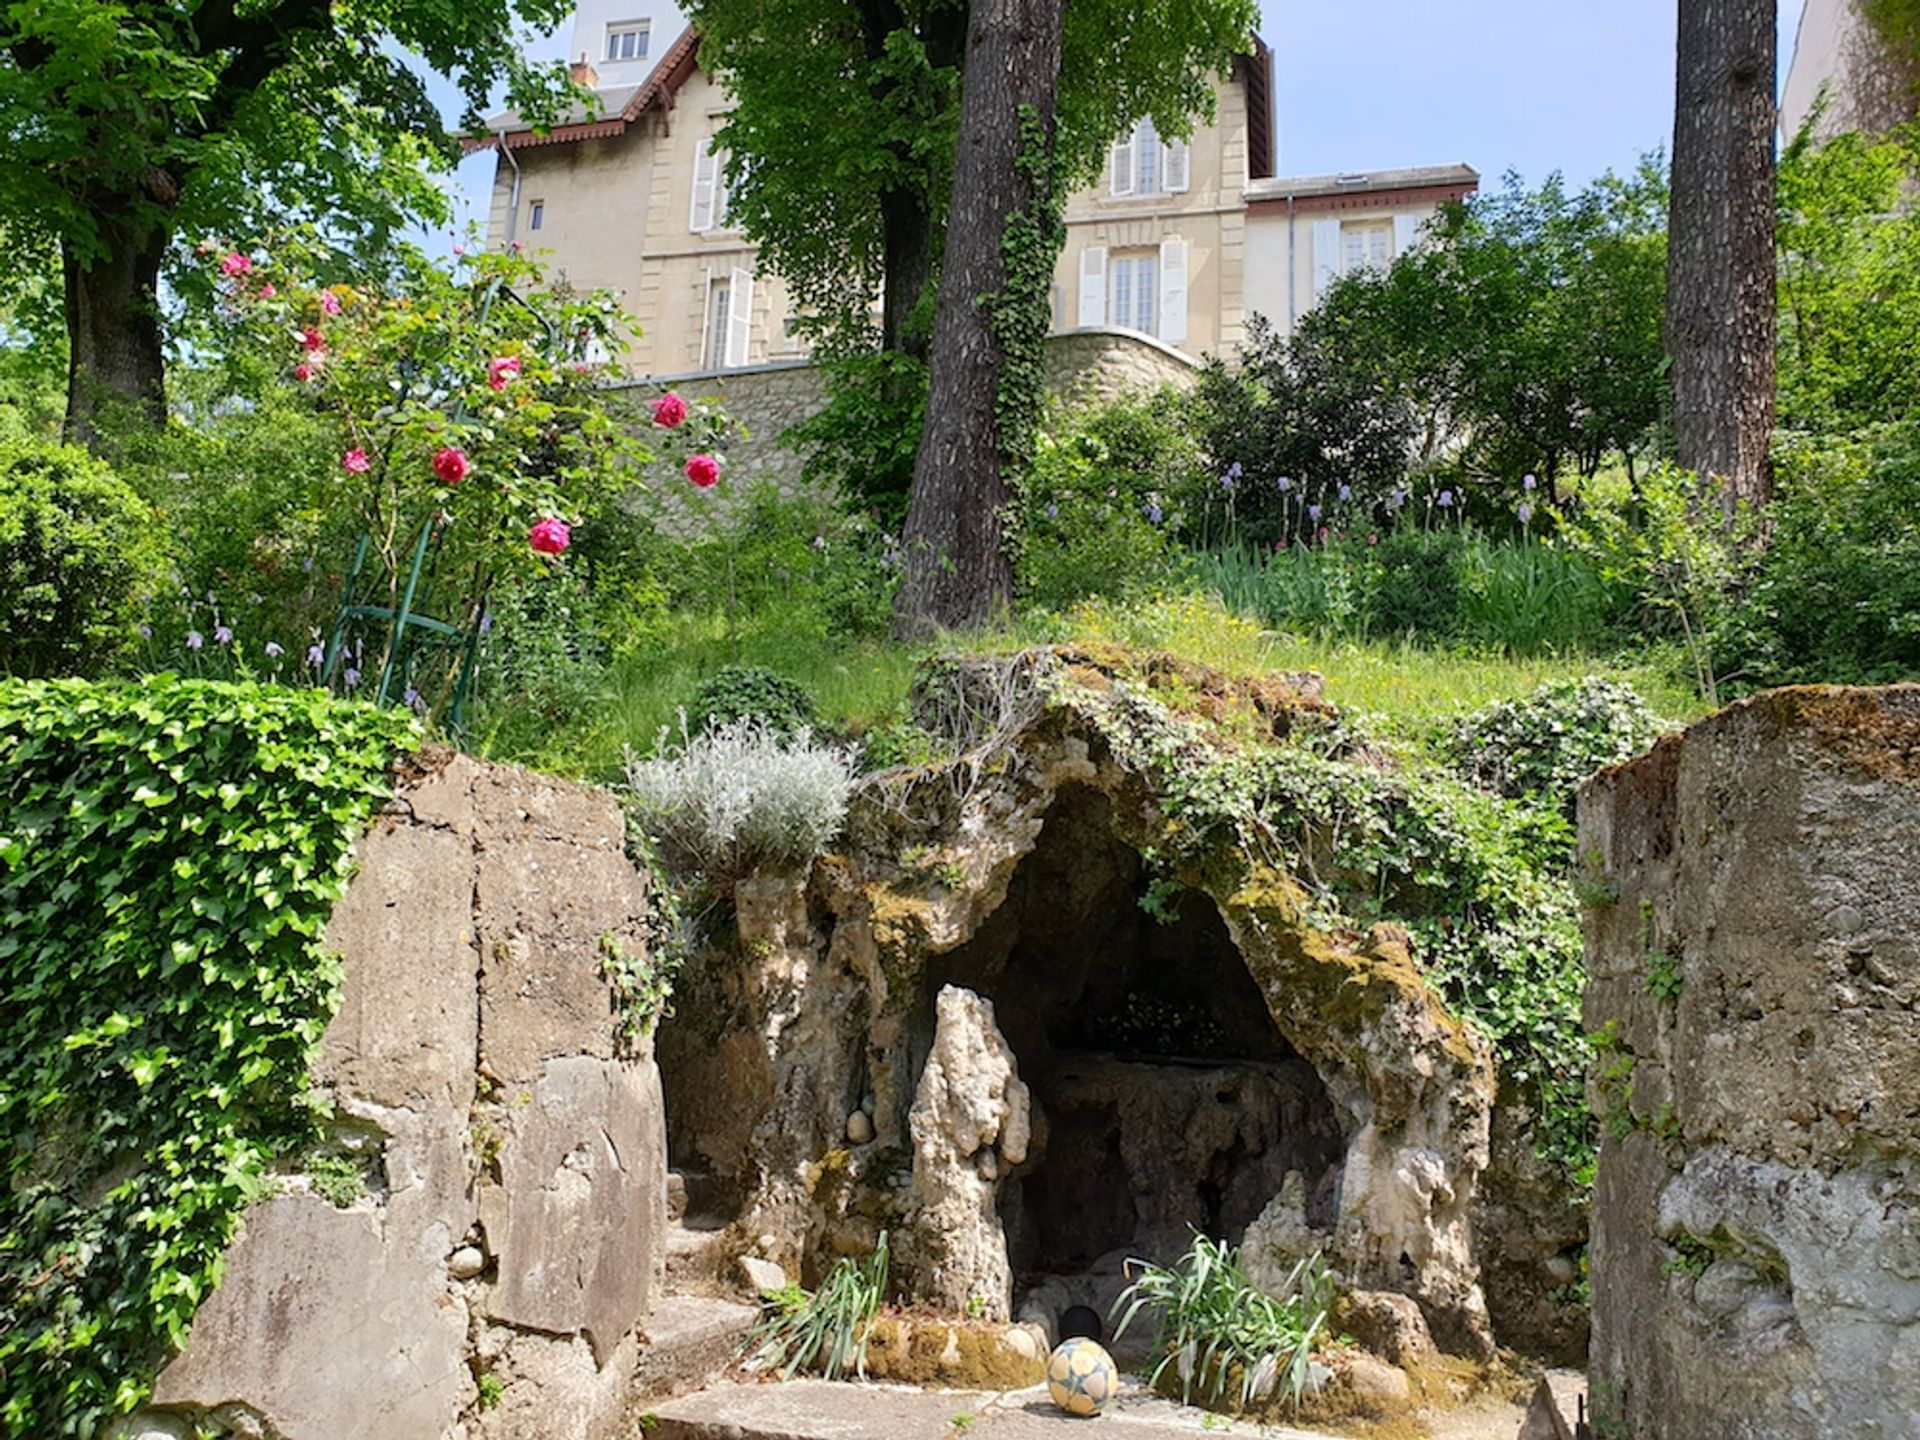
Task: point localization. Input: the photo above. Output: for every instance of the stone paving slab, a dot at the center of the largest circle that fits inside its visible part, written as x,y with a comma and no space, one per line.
824,1410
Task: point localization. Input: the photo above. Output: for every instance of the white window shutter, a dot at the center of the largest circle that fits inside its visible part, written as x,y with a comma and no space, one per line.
1174,164
1121,161
1093,285
722,196
1406,233
739,318
1173,291
1326,255
705,174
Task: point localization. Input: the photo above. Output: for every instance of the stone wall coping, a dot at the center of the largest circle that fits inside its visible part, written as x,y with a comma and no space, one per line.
775,367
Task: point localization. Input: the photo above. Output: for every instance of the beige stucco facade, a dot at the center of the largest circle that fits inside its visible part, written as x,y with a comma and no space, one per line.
1178,240
1837,51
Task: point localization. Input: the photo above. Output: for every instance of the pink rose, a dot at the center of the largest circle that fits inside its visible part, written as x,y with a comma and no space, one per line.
267,292
312,340
236,265
703,471
502,369
450,464
303,373
550,536
669,410
355,461
329,303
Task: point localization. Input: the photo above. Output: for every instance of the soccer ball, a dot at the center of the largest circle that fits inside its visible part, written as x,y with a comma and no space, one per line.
1081,1377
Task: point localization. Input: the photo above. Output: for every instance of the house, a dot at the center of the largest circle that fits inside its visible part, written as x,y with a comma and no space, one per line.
1837,52
1180,240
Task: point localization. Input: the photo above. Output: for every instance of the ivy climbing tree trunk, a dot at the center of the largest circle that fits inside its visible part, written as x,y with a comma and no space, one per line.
1004,231
1720,266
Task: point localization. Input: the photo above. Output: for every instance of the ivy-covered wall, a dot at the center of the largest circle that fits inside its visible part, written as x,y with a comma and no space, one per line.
169,854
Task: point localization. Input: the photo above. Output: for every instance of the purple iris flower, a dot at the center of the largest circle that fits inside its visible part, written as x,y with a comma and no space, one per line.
1283,484
194,640
1525,512
1446,500
1313,512
274,650
352,677
1153,514
1527,482
223,635
316,655
1346,491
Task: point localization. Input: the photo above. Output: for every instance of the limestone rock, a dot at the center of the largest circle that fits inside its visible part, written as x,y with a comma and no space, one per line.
1389,1325
328,1327
970,1099
859,1127
1544,1420
1757,1205
466,1262
761,1276
575,1220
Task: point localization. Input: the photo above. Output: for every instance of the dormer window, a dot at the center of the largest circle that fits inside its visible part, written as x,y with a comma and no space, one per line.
627,39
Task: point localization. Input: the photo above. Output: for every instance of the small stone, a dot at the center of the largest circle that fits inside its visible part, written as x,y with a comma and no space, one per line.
987,1164
766,1245
466,1262
761,1276
1377,1381
859,1127
1560,1269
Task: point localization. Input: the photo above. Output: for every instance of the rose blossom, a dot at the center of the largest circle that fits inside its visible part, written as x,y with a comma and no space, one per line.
355,461
550,536
303,373
502,369
669,410
329,303
236,265
312,340
703,471
450,464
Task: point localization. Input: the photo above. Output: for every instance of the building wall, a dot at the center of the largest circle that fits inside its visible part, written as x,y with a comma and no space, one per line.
1286,265
1209,216
1867,88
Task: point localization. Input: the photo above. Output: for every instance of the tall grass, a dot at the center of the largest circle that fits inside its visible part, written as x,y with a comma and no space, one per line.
1219,1332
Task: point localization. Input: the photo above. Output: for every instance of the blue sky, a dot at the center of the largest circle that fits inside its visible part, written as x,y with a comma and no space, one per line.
1527,85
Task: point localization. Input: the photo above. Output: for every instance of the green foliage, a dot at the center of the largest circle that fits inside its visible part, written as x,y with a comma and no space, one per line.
751,692
1085,517
338,1179
863,440
1543,745
79,551
490,1391
1836,595
1849,281
1447,586
827,1328
131,120
1229,1342
169,854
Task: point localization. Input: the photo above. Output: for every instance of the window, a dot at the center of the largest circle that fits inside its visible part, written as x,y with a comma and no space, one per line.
1134,286
1142,164
536,214
709,189
719,305
1365,245
627,39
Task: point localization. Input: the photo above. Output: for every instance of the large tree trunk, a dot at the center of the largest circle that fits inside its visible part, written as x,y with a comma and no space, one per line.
115,363
907,245
957,570
1720,265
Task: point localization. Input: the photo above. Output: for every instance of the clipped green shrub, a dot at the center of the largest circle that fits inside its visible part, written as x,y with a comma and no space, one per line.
751,692
1544,744
169,853
78,551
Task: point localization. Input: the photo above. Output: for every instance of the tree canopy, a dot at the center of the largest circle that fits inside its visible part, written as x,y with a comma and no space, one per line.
129,122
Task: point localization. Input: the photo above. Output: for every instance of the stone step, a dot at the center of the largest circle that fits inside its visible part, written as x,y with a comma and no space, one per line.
825,1410
698,1192
691,1339
698,1250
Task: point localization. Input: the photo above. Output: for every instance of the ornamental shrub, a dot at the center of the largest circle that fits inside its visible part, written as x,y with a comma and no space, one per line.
169,853
78,551
751,692
723,800
1543,745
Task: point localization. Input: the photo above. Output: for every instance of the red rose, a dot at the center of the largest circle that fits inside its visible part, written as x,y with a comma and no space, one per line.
669,410
703,471
450,464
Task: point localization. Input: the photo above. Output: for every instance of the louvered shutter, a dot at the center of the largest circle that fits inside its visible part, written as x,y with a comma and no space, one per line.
705,175
1173,291
1406,233
739,318
722,194
1326,255
1174,164
1093,285
1120,160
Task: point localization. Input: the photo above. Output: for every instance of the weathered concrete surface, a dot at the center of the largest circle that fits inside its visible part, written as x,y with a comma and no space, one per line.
515,1157
819,1410
1756,1233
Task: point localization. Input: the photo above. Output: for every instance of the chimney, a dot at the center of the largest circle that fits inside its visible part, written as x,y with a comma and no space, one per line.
583,73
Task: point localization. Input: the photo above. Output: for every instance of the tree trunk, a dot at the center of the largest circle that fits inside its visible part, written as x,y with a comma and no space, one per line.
986,342
115,364
1720,259
907,245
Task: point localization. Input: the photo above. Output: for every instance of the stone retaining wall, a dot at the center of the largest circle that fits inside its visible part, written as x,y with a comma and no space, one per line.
768,400
1754,955
492,1280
